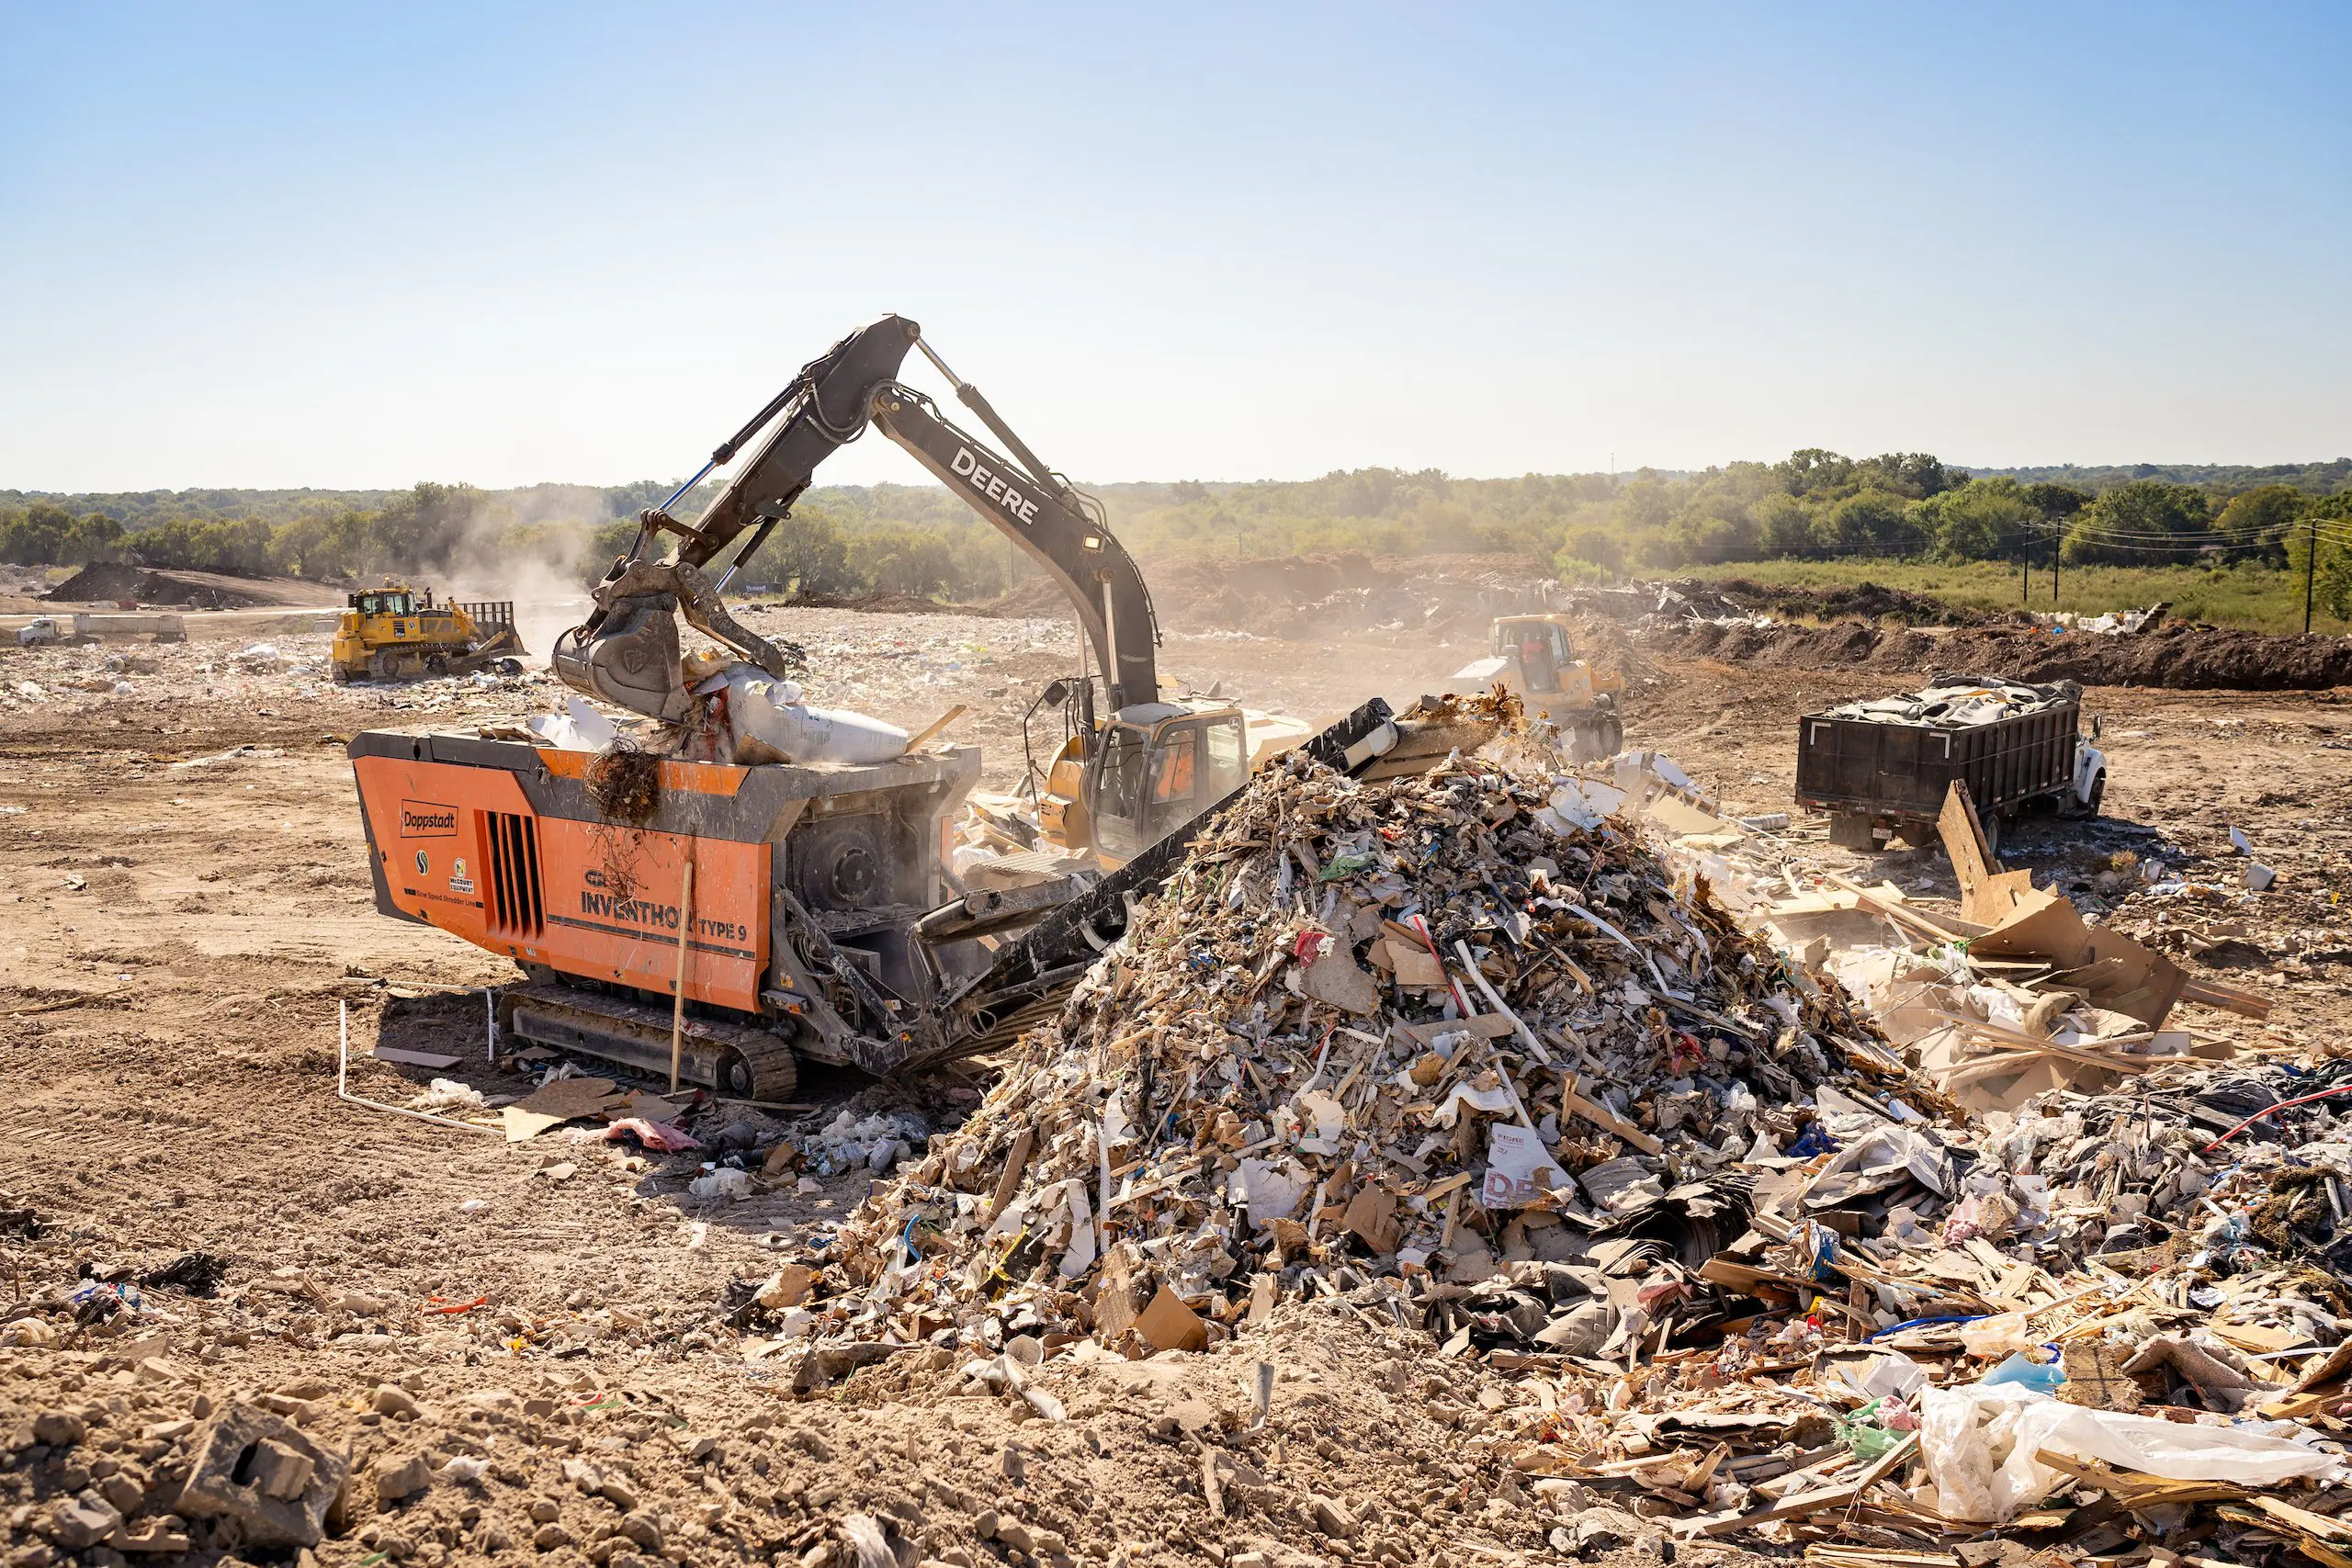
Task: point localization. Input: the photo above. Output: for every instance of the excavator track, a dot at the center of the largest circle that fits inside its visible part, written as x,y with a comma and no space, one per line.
730,1059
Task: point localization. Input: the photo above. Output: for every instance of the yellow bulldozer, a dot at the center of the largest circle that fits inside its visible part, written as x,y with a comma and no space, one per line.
395,633
1532,655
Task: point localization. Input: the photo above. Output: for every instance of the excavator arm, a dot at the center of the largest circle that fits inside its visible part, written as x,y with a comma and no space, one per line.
626,650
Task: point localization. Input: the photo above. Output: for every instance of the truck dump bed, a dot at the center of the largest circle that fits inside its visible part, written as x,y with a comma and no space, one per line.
1897,758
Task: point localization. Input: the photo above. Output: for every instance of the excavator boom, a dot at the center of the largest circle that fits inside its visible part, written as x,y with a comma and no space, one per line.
628,645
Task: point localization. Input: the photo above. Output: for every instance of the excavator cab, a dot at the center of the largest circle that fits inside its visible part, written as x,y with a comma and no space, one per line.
1160,766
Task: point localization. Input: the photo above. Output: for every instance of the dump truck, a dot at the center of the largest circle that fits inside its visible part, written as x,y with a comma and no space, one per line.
1531,656
397,633
744,900
83,627
1882,767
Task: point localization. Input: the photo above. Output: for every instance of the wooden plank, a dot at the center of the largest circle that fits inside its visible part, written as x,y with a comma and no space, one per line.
2132,1489
1805,1504
1607,1120
1014,1164
1964,843
433,1059
2228,999
936,726
1901,915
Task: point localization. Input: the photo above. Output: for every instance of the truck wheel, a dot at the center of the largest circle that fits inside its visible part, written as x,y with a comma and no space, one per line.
1612,736
1851,830
2088,807
1991,822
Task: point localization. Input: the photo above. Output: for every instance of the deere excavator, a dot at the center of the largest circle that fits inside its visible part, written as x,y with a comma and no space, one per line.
733,905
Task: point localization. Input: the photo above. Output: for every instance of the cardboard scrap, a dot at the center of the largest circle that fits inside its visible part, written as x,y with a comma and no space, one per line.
1987,895
1169,1325
568,1099
1372,1217
523,1125
1335,978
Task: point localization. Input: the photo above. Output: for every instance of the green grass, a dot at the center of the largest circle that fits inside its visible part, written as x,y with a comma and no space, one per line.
2256,597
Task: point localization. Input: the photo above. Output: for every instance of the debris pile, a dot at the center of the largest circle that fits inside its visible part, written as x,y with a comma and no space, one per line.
1959,702
62,682
1397,1031
1460,1054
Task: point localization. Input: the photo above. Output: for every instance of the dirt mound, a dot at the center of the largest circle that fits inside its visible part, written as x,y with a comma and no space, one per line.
1858,601
100,581
2179,655
109,581
1317,596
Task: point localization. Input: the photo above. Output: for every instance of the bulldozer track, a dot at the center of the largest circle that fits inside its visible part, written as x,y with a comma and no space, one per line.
729,1058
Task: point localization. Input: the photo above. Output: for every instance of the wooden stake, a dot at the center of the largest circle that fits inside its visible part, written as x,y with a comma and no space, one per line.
937,725
678,1002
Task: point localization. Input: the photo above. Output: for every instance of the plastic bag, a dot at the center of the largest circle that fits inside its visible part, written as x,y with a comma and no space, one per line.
2026,1372
1865,1434
724,1182
1999,1336
1958,1453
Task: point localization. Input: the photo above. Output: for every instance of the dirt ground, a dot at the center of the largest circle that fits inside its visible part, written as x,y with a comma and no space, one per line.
185,916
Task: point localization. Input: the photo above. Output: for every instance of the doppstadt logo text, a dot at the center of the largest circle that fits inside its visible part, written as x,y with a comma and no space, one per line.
427,819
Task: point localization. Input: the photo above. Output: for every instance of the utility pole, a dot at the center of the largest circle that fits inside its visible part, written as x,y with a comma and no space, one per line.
2025,584
2055,545
2311,566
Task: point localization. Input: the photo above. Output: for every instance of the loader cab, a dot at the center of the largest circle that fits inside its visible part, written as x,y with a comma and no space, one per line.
1538,645
388,603
1159,766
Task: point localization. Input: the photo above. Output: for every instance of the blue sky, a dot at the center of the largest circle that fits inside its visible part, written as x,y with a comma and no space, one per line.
272,244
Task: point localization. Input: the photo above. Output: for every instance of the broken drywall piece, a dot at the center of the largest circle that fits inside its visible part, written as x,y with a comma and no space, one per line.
578,728
1268,1191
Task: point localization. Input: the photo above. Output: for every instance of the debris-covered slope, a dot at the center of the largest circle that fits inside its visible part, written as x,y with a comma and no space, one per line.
1409,1028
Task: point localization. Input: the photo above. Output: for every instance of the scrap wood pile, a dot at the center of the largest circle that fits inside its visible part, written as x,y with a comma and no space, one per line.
1449,1054
2016,995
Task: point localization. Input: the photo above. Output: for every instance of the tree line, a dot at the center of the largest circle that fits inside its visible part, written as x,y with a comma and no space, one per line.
918,540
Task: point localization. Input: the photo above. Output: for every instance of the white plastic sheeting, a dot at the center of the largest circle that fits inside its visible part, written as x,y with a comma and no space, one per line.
1980,1443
